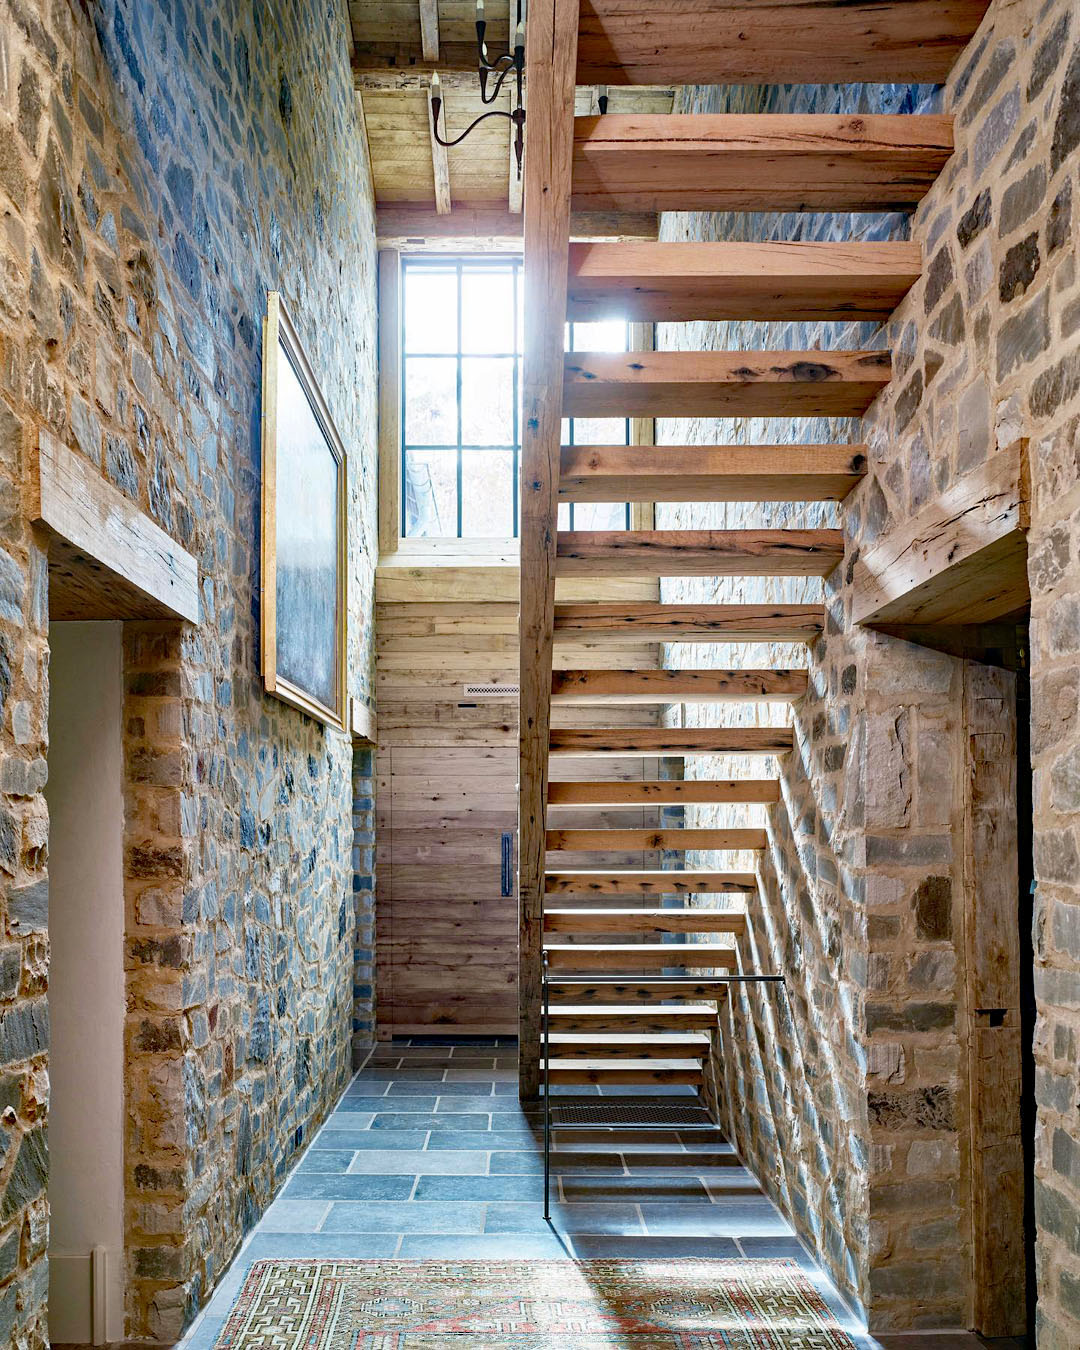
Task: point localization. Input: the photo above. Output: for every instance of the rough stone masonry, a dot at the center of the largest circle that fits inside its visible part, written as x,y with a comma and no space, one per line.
849,1094
162,166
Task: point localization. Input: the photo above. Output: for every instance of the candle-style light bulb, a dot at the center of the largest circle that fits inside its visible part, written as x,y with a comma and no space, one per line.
519,35
479,11
436,85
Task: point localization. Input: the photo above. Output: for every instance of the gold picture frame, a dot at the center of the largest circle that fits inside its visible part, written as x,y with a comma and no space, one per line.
303,553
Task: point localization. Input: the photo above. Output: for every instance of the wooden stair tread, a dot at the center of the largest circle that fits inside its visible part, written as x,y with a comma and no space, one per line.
666,553
725,473
687,1012
606,956
579,1047
723,383
670,740
630,1064
676,686
649,994
661,790
682,282
631,42
645,920
676,838
629,881
636,621
627,1071
757,161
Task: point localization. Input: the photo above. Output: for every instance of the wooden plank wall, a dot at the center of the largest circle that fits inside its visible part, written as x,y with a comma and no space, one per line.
446,939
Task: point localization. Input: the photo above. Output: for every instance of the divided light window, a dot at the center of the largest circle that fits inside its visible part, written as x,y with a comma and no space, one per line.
461,401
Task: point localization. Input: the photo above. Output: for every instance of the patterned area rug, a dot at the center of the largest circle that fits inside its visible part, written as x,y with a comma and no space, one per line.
511,1305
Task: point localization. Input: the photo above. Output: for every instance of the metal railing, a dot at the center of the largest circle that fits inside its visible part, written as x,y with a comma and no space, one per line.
545,1049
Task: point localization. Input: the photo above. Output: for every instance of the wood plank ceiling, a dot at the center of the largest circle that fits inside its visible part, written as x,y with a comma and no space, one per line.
397,46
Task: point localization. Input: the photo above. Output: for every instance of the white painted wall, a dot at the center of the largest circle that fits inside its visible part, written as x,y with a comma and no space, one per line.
86,978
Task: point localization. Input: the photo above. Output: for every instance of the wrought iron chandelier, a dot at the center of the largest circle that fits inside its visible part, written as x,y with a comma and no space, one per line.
498,71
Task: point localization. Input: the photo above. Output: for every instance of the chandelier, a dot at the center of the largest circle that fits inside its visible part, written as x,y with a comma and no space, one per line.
493,75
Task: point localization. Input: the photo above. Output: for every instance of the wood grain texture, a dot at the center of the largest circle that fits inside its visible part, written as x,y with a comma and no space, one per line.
429,29
665,553
683,282
680,838
671,791
474,223
992,966
640,620
773,41
671,741
643,1071
569,1045
962,559
709,473
677,686
645,921
440,165
757,162
551,59
723,383
582,992
601,1018
639,956
628,882
107,558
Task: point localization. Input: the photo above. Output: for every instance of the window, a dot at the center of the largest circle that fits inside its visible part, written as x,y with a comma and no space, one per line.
460,415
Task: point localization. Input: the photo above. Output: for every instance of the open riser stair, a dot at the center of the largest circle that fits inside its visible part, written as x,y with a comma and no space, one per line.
639,960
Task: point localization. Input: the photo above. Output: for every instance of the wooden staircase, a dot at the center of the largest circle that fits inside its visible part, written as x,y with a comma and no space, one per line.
634,984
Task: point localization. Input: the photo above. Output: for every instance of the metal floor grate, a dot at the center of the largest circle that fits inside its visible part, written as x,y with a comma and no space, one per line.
679,1117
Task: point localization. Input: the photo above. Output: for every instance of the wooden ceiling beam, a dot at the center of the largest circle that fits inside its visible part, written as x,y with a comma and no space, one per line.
401,225
429,30
647,621
773,41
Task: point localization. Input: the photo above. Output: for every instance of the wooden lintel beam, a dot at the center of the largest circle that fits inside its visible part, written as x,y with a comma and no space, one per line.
962,559
107,558
647,621
440,165
586,687
661,791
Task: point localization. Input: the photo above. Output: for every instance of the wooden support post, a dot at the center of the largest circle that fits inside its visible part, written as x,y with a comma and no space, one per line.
517,184
429,29
440,166
390,485
551,60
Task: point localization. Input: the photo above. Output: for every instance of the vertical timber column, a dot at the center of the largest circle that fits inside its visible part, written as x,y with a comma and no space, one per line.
551,64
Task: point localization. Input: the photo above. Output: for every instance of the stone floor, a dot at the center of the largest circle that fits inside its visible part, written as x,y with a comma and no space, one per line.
429,1154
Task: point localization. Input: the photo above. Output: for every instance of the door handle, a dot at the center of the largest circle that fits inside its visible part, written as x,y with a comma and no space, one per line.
508,862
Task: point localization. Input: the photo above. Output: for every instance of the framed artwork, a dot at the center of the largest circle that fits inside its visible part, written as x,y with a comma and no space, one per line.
304,531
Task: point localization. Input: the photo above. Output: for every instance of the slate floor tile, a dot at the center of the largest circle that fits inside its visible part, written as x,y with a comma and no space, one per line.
494,1246
510,1217
477,1188
420,1162
331,1186
728,1220
408,1120
648,1189
325,1160
380,1140
372,1217
294,1216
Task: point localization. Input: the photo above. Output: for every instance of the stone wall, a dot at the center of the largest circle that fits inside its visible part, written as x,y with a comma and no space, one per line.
162,166
363,894
849,1095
